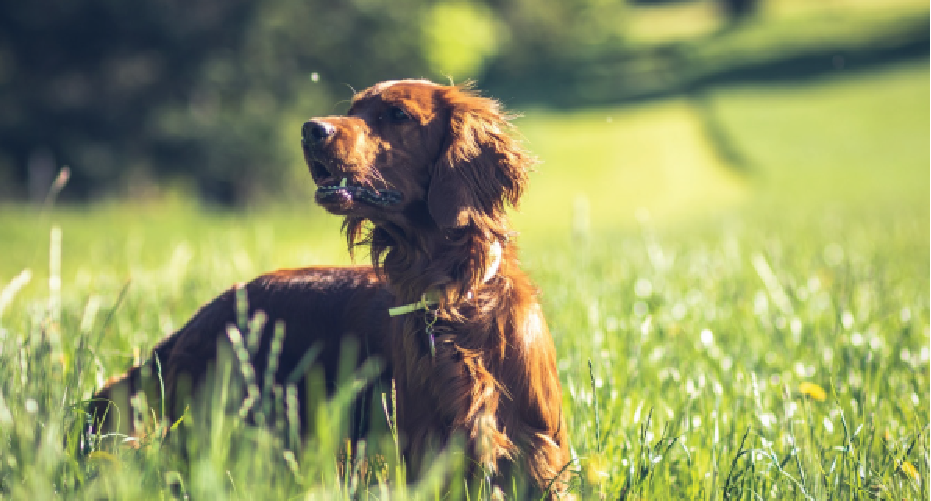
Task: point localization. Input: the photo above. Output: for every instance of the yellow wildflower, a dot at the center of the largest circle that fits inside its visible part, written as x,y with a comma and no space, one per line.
813,391
909,470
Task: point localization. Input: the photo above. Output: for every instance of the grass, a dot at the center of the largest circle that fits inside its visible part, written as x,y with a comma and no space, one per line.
779,25
722,334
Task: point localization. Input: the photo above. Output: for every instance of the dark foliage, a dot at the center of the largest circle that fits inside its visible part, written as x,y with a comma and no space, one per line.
127,93
82,82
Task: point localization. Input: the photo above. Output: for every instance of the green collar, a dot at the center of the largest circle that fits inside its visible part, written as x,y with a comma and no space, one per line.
426,301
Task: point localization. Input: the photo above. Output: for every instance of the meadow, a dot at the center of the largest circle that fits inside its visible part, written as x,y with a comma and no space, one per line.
723,332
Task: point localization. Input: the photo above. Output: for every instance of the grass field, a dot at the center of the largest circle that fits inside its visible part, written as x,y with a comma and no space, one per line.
751,334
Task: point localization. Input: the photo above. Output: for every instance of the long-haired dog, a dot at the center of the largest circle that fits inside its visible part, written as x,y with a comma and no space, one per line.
422,175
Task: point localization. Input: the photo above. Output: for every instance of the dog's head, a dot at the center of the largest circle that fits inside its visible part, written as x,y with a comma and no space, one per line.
413,152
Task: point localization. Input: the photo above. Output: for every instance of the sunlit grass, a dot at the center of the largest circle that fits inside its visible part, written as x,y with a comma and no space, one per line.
616,162
678,21
828,145
838,145
718,349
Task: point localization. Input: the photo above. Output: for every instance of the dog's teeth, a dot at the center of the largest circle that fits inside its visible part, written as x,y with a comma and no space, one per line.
343,183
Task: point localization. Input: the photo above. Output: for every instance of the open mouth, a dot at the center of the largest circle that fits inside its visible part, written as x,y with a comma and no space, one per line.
335,189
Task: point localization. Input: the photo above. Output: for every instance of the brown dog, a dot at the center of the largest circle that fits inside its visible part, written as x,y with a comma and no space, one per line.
422,174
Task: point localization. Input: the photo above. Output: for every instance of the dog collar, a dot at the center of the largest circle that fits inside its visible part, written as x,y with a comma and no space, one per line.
429,299
426,301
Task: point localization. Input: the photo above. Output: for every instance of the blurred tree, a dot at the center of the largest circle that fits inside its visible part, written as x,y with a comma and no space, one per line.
129,92
542,32
739,10
298,58
546,42
478,36
79,82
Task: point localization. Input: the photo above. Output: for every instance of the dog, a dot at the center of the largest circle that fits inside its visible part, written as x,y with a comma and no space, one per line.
422,175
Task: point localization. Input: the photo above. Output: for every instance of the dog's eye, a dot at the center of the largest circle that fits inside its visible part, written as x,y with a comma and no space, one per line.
396,114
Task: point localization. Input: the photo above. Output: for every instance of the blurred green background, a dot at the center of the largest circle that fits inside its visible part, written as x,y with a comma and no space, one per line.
158,99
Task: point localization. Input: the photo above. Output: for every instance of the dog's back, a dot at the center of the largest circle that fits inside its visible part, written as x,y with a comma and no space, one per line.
328,314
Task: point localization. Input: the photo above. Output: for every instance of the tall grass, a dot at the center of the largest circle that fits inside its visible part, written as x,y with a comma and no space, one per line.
739,361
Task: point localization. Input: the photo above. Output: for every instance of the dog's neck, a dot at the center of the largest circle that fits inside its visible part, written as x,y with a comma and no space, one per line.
431,298
449,265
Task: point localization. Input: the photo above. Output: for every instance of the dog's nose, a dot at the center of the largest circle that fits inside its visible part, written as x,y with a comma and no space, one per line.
315,132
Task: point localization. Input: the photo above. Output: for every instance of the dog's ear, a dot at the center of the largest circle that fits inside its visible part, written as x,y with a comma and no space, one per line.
482,167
